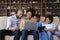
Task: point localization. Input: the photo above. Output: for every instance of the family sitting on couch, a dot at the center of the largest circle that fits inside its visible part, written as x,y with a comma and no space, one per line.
15,26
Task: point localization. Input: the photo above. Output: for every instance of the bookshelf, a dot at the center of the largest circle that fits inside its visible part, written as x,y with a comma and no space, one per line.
42,7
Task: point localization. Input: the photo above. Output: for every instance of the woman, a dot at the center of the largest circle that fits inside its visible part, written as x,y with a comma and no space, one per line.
30,14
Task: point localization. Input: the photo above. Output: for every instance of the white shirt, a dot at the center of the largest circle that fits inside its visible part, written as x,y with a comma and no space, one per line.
49,26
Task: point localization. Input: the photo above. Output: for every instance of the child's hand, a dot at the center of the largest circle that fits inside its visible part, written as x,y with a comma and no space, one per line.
44,29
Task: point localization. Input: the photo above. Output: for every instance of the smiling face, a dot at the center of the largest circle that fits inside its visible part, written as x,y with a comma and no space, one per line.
29,15
48,20
20,13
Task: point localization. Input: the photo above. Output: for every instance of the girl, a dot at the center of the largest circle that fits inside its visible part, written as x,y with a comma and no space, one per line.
49,27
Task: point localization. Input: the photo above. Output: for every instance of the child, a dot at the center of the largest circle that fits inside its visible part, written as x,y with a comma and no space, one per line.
49,27
36,18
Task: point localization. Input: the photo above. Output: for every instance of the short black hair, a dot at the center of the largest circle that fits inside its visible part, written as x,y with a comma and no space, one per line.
50,17
31,10
37,15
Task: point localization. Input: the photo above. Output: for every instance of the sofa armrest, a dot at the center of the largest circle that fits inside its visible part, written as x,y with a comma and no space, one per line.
59,28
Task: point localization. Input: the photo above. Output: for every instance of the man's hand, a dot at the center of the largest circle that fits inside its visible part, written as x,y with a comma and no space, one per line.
13,28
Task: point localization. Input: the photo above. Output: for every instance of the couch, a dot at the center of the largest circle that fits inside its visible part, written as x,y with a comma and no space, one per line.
3,23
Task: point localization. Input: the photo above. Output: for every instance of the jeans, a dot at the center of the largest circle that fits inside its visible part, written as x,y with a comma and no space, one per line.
10,33
25,33
43,36
50,35
57,33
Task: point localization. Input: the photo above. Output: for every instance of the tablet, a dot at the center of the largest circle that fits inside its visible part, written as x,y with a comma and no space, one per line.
41,28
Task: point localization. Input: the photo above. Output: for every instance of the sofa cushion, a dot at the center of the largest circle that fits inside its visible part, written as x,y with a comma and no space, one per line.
56,20
3,22
55,37
7,37
30,37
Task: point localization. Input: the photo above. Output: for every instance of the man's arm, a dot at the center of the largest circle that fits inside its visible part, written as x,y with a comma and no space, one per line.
9,24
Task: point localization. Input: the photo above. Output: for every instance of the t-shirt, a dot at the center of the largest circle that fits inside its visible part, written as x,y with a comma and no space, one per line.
49,26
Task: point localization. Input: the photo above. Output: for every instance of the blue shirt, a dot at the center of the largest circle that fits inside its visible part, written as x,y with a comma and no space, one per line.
13,21
39,24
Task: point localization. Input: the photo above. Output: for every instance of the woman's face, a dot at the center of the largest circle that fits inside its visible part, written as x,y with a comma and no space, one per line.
47,20
29,15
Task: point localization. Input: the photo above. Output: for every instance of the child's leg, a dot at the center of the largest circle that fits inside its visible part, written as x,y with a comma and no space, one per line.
44,36
50,35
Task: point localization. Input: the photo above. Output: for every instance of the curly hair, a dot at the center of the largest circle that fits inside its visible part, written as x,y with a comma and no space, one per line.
31,10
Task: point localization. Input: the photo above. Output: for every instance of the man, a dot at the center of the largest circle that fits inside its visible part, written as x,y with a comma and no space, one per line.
13,26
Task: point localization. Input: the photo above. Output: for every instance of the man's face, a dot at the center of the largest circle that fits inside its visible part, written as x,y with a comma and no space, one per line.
20,13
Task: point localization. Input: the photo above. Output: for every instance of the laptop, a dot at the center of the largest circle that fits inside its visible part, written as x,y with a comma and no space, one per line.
29,25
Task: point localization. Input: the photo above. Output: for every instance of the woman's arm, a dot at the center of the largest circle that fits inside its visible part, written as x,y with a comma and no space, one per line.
22,24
